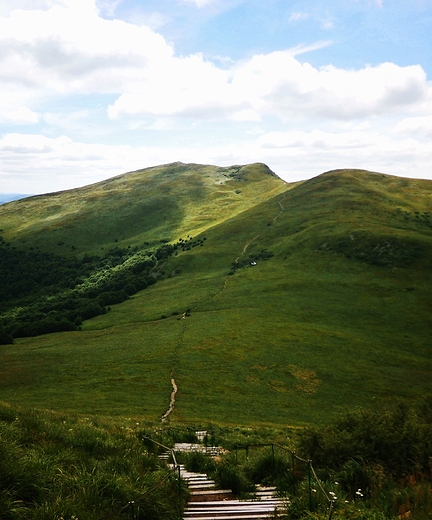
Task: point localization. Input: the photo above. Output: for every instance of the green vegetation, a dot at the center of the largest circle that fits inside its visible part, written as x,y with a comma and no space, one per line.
364,465
43,292
335,314
380,458
60,467
164,202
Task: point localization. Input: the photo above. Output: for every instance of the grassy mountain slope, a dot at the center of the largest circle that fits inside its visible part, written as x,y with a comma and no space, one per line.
164,202
336,313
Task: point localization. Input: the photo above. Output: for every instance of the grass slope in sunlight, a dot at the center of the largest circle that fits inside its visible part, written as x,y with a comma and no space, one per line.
335,314
163,202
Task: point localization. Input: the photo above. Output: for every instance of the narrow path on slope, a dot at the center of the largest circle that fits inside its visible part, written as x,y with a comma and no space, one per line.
179,342
174,364
246,246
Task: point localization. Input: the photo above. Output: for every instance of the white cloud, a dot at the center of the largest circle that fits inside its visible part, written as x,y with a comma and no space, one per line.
108,7
420,126
60,163
374,117
6,7
18,115
44,164
276,84
327,23
303,49
377,3
294,152
295,17
69,48
177,86
13,109
200,3
281,85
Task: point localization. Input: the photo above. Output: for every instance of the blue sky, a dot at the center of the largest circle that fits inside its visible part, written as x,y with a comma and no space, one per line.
91,89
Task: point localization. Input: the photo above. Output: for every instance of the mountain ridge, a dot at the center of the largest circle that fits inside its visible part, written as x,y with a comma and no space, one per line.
143,199
302,301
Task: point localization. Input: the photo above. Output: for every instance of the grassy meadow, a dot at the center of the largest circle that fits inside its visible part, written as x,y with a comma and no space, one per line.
337,316
160,203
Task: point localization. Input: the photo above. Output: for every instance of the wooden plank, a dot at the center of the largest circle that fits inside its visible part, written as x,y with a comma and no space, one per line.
228,510
234,502
255,516
236,507
212,492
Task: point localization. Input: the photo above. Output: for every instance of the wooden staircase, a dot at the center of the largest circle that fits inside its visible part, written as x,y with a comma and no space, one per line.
208,503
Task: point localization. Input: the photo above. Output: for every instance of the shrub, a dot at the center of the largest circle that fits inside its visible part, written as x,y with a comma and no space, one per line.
5,337
267,469
199,462
230,476
397,439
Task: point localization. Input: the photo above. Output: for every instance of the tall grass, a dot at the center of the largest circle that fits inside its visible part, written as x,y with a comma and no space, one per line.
304,335
372,464
54,467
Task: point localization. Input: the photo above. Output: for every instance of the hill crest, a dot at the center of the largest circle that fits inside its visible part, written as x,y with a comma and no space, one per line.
294,302
161,202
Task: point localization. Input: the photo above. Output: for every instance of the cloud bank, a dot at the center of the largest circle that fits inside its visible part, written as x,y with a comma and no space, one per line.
298,118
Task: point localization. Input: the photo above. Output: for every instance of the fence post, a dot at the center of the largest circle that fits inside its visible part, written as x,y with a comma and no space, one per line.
310,485
273,458
132,507
294,475
179,491
330,510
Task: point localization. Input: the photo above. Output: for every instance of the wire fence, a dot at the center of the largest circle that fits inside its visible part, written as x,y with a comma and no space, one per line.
133,506
314,484
304,473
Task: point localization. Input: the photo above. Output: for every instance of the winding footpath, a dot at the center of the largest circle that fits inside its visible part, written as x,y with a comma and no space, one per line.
179,342
172,401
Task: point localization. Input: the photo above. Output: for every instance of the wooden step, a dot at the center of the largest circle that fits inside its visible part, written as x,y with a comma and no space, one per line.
253,516
195,479
208,503
233,508
228,510
210,495
209,492
237,501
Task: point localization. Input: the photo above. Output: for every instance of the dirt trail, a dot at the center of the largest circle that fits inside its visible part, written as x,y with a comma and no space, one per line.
172,402
179,343
246,246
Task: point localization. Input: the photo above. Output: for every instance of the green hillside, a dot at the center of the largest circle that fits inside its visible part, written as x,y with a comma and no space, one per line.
302,301
164,202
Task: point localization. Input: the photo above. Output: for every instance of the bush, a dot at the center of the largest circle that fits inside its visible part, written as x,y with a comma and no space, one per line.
5,337
230,476
36,284
267,469
396,439
199,462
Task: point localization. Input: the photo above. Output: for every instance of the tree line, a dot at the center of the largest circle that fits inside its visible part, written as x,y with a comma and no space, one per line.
43,292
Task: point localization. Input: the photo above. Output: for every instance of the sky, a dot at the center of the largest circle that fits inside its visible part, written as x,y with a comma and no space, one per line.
90,89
